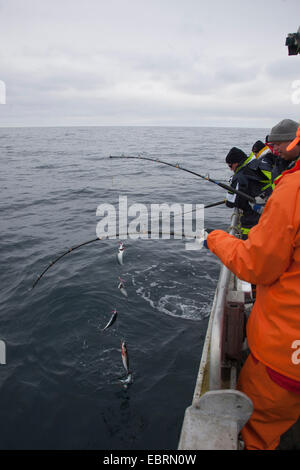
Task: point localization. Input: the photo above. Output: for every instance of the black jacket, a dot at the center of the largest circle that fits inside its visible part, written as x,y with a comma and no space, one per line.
268,159
252,179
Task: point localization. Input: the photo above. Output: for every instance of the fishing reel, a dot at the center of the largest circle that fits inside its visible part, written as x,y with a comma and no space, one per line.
293,43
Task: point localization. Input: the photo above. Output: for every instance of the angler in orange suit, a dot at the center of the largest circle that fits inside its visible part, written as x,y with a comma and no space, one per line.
270,258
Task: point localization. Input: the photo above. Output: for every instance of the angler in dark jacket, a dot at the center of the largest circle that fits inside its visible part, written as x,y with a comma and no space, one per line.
253,177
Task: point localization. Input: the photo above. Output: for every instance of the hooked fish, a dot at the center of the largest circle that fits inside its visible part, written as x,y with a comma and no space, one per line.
120,253
111,320
122,287
125,358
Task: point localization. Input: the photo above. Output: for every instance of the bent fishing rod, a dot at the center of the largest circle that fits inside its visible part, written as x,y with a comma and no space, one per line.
117,235
70,250
207,178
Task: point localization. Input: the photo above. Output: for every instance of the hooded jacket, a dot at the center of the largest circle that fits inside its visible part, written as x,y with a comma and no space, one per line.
270,258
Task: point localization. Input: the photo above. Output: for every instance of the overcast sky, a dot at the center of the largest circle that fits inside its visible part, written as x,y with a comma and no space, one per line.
148,62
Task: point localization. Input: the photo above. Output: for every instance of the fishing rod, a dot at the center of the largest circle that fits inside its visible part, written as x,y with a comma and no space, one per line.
213,204
60,257
117,235
207,178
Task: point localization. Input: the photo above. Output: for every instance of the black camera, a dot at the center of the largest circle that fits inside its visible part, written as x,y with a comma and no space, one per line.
293,43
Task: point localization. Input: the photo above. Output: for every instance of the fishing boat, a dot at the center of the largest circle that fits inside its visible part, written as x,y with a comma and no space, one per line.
218,411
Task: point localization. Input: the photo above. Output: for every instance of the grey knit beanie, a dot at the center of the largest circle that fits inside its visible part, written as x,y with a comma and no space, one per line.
284,131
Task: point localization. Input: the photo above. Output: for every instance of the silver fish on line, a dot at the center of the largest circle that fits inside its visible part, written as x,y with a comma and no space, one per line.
121,286
121,253
127,381
125,358
111,320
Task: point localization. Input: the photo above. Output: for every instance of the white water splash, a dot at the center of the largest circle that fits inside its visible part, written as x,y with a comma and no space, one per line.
177,306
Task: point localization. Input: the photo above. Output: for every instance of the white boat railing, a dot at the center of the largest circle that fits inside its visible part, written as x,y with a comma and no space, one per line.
215,360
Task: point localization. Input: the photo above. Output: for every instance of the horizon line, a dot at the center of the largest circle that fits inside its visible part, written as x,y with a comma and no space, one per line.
134,125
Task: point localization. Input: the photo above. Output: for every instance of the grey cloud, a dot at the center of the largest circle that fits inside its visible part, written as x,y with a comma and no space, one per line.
287,68
145,62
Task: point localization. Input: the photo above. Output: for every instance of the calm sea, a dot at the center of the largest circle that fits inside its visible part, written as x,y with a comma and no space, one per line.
60,387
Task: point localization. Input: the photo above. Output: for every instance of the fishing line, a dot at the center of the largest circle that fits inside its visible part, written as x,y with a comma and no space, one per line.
207,178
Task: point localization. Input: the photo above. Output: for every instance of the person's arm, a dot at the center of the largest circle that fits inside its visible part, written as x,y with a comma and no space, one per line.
267,252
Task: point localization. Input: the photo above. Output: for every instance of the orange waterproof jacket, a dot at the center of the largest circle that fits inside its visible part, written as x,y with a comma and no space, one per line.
270,258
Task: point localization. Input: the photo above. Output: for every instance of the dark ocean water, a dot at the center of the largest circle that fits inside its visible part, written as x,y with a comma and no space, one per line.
60,387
